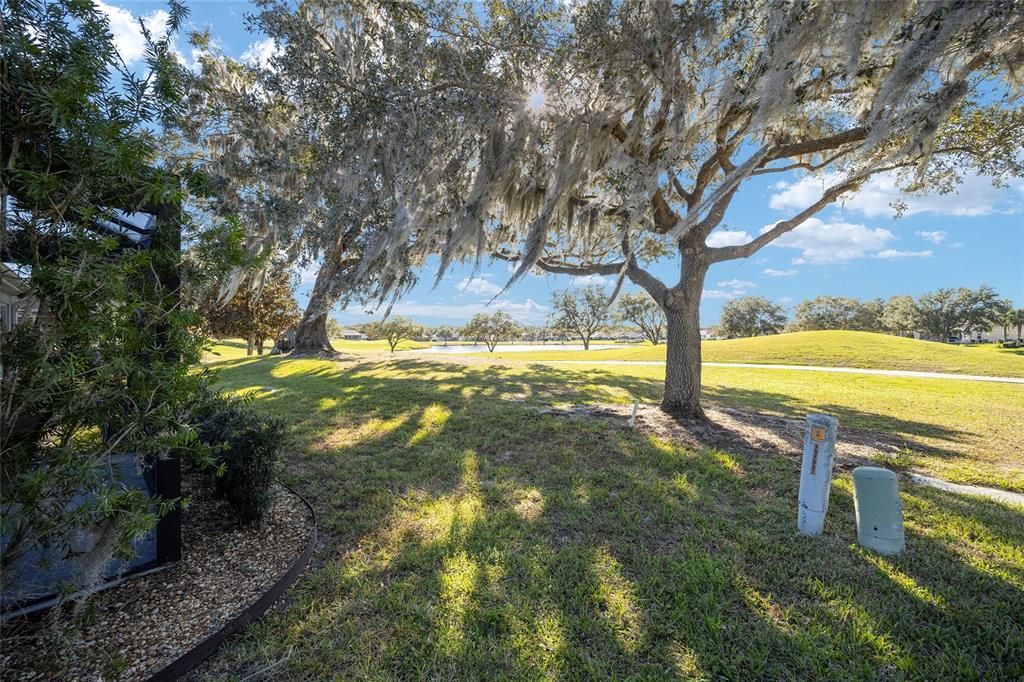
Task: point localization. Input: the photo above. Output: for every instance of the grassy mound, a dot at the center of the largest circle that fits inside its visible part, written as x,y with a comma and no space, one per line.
829,349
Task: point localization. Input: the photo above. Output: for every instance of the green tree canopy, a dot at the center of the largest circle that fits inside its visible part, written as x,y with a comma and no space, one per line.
837,312
394,330
256,314
492,329
751,316
901,316
643,312
580,312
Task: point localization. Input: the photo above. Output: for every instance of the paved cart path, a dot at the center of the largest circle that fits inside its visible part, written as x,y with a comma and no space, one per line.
992,493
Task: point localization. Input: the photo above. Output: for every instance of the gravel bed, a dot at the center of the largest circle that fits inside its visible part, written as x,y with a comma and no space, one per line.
133,630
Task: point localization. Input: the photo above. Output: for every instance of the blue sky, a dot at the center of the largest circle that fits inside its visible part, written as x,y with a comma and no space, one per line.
856,248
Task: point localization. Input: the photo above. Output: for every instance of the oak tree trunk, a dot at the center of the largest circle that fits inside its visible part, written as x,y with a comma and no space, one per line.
311,334
250,343
682,352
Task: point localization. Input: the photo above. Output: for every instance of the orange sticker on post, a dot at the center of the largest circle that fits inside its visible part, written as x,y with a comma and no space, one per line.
818,433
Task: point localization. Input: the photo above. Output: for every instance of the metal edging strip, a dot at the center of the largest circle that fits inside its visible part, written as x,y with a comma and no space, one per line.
199,653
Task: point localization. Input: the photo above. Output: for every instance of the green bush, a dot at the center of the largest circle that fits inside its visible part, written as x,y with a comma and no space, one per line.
245,462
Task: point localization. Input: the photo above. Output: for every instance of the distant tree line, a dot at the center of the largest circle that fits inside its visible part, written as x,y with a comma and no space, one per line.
586,313
941,315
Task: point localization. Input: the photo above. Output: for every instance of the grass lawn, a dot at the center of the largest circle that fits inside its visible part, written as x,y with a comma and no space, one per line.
232,349
466,536
827,348
966,432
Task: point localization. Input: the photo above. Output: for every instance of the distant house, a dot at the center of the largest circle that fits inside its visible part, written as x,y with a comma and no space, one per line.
352,335
993,334
709,334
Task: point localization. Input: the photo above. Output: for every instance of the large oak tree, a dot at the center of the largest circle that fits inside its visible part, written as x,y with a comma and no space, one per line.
599,137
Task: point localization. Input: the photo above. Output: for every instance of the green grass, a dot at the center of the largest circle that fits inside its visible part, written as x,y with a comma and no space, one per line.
466,536
829,349
232,349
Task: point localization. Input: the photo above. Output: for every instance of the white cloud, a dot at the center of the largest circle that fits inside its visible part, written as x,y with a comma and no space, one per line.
934,236
730,289
820,242
261,52
478,285
956,245
772,272
975,196
720,238
728,294
895,253
593,280
124,26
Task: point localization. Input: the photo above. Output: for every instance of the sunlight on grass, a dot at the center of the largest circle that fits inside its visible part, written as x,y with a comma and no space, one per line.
863,628
541,644
530,505
458,579
728,462
372,428
764,606
470,479
681,484
431,422
891,571
473,537
616,596
687,664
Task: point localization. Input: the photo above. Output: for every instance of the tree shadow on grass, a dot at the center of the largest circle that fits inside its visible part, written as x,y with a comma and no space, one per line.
502,543
888,427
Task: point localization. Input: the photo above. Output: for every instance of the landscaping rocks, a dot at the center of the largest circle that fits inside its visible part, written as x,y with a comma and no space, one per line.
131,631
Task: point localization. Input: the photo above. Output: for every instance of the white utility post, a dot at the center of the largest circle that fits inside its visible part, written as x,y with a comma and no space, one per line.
816,473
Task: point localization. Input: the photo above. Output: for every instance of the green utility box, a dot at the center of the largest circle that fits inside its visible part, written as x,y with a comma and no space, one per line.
876,498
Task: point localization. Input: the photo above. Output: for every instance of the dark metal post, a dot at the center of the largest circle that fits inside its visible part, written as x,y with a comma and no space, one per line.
166,249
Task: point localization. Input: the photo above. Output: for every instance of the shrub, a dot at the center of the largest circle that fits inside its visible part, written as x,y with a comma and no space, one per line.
246,459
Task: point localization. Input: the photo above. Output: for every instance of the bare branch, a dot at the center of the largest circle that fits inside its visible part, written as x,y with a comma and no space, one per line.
811,167
781,228
649,282
819,145
556,267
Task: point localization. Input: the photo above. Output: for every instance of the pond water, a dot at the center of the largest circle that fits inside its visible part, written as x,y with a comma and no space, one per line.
508,348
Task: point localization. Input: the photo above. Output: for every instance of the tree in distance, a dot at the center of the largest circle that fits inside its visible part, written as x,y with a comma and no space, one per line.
394,330
901,316
492,329
256,314
837,312
641,310
751,316
580,312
